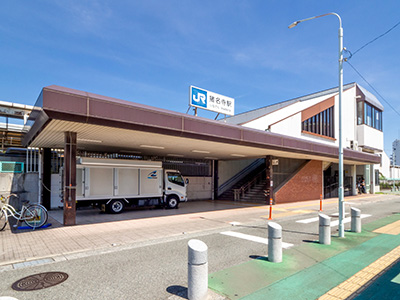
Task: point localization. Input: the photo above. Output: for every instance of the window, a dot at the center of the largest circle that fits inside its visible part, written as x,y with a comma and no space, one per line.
176,178
360,113
321,123
376,177
369,115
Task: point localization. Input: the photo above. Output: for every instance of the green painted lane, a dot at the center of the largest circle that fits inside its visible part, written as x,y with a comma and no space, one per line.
304,268
315,281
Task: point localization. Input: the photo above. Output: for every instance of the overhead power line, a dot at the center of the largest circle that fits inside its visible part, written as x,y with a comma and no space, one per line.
370,42
359,74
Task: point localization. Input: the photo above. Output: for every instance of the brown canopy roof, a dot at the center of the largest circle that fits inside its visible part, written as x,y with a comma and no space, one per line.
108,124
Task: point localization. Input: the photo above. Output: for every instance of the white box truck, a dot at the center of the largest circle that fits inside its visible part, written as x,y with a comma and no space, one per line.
113,184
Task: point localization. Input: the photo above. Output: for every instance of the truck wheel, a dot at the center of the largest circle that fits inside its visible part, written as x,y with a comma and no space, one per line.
172,202
116,206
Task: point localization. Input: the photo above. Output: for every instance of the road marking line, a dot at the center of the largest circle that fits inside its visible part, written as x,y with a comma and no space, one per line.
235,223
347,220
310,220
253,238
334,223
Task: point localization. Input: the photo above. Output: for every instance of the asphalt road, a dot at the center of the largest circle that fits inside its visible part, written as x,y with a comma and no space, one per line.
158,269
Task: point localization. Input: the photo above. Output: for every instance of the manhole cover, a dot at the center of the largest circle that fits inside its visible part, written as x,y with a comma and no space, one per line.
39,281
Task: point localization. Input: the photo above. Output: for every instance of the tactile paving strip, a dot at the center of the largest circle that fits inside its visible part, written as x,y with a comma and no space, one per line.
353,286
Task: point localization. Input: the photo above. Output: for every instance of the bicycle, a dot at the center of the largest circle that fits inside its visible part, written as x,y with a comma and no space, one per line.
34,215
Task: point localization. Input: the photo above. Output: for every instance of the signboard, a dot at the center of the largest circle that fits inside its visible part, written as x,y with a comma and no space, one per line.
211,101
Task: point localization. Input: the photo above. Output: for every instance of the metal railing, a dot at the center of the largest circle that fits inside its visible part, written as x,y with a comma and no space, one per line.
241,192
242,174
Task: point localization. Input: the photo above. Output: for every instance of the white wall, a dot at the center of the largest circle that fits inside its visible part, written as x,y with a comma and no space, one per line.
55,194
287,120
371,137
384,168
395,172
262,123
199,188
289,126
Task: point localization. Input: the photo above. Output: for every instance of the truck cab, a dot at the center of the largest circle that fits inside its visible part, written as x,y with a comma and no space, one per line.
174,188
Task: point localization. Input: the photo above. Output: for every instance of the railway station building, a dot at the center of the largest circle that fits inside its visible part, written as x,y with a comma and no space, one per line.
289,149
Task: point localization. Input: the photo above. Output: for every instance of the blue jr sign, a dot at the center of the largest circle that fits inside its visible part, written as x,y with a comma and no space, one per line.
211,101
199,97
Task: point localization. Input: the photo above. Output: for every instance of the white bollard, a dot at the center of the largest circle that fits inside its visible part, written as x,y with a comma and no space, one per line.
197,270
274,242
355,220
324,229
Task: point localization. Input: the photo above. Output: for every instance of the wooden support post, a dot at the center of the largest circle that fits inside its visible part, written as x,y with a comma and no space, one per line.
70,178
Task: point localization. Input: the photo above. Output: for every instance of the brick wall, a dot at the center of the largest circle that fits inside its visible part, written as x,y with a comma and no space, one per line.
307,184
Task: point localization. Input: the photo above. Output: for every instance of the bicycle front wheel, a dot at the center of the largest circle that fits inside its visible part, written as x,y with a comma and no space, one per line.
3,220
35,216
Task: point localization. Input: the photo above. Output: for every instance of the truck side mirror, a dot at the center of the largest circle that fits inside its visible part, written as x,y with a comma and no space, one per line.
187,181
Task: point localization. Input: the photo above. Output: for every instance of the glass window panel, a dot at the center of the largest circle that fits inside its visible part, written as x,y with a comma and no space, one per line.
328,117
313,124
365,112
372,116
360,112
377,120
369,115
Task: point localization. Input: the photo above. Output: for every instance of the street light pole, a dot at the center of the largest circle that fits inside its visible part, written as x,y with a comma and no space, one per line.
341,206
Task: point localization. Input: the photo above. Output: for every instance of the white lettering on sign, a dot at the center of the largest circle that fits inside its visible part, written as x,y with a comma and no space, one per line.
211,101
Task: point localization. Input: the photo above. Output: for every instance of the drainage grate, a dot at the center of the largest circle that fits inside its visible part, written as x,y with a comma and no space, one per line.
39,281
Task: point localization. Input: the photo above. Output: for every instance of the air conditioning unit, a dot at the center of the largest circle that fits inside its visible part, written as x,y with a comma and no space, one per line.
354,145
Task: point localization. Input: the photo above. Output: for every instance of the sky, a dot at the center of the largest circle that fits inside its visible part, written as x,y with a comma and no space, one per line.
151,51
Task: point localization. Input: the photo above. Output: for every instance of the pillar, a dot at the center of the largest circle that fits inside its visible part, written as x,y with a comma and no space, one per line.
372,179
269,177
215,180
70,178
46,178
367,178
354,178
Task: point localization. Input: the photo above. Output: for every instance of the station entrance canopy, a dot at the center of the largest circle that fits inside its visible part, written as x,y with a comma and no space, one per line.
111,125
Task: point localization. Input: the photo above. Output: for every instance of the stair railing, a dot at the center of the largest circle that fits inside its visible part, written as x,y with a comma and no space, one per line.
241,192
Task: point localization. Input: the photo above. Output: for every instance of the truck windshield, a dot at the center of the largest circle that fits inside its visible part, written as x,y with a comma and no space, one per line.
175,178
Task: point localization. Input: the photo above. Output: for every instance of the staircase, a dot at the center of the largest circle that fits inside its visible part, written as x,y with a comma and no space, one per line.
256,193
253,185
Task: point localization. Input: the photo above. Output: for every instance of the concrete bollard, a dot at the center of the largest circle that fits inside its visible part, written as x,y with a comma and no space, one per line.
197,270
274,242
324,229
355,220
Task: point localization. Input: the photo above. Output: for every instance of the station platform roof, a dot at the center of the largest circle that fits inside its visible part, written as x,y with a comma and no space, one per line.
112,125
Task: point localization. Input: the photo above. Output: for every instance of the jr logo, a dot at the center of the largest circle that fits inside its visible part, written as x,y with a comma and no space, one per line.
199,97
152,175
